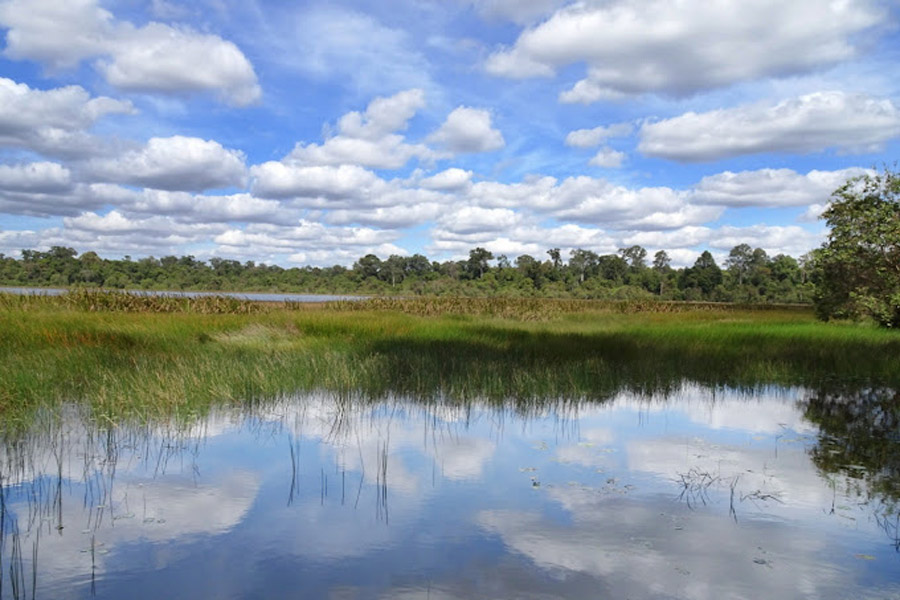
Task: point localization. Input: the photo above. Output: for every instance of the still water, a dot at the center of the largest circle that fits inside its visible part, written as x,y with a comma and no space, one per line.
702,494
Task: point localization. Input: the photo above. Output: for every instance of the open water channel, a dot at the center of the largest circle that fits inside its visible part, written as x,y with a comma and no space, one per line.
701,494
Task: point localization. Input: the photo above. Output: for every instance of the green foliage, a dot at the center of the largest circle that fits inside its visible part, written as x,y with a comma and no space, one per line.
858,268
149,363
586,275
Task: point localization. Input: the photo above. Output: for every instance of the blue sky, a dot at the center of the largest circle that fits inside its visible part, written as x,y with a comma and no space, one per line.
317,132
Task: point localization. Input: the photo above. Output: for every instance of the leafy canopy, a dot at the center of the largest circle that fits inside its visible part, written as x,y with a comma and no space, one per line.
859,264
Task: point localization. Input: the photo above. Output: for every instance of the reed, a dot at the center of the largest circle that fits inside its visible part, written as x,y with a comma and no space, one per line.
171,359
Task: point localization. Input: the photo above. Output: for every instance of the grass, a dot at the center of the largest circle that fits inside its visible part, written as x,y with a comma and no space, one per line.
156,358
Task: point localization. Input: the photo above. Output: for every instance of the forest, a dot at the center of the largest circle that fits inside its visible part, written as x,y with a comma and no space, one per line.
747,275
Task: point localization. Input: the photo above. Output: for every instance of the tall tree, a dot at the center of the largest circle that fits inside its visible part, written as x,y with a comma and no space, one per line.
635,256
478,261
740,262
860,261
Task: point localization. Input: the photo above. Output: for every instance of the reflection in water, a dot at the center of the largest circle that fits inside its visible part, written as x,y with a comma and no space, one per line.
703,494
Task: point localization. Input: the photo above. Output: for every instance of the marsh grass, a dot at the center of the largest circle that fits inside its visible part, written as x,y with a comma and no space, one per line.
162,360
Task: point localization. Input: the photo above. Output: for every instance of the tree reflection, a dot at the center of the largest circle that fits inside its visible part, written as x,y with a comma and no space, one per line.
859,439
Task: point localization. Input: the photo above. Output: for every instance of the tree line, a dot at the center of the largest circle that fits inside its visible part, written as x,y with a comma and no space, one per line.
855,274
747,275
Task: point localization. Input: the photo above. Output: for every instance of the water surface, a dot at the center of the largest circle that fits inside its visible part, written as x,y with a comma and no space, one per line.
782,493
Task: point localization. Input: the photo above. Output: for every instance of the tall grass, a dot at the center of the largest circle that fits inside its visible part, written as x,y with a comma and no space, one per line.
170,360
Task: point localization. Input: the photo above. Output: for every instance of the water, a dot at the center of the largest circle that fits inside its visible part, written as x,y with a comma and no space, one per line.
255,296
785,493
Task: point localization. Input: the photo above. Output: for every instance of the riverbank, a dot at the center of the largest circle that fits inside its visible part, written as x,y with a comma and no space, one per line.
134,363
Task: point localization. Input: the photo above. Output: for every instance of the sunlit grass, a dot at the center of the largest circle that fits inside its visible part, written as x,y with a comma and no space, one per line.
128,362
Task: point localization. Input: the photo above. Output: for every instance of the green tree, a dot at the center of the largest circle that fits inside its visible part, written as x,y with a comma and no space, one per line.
740,262
859,264
635,256
478,261
705,275
583,263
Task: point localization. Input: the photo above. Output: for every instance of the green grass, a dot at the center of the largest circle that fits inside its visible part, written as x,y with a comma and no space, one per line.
139,361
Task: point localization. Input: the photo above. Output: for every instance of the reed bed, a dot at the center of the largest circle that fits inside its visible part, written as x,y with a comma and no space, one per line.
129,362
117,301
540,309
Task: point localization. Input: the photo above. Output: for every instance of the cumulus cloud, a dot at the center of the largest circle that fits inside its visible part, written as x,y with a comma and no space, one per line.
608,158
635,46
308,241
587,200
368,139
51,197
449,179
161,58
186,207
468,130
116,223
810,123
515,235
152,58
53,122
770,187
473,219
175,163
588,138
391,217
41,177
278,180
114,234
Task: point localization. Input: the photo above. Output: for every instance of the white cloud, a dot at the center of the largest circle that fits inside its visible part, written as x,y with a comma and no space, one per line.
774,239
175,163
770,187
152,58
810,123
608,158
307,233
586,200
472,219
41,177
58,34
55,121
588,138
504,231
391,217
117,224
449,179
517,11
48,198
278,180
468,130
368,139
384,115
308,242
160,58
114,234
211,209
639,46
533,192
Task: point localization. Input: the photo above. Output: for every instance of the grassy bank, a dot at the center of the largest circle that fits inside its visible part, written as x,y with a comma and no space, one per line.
170,357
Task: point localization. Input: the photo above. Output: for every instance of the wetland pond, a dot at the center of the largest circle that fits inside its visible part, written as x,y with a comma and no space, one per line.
698,493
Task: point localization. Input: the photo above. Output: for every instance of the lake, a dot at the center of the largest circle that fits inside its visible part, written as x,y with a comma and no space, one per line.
700,494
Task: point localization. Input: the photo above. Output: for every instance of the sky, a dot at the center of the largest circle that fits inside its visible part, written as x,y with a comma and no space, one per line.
315,132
